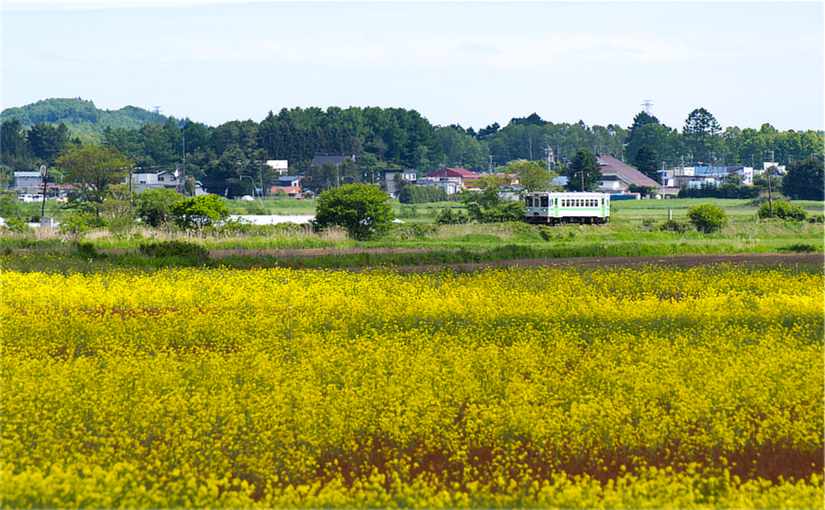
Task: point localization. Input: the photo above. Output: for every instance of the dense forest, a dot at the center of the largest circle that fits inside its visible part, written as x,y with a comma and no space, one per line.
82,118
222,157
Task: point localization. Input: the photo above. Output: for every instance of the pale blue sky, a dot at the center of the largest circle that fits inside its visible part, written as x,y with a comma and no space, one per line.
472,64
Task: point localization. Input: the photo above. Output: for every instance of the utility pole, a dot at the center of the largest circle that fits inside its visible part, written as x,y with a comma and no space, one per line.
44,174
770,193
647,103
490,166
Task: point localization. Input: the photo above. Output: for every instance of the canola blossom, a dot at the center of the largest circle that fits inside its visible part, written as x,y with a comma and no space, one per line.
552,388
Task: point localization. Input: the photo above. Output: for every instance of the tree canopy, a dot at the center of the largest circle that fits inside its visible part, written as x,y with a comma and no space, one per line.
362,209
583,174
230,158
94,168
804,180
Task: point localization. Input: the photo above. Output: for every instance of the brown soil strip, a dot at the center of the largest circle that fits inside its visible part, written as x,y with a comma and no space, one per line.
748,259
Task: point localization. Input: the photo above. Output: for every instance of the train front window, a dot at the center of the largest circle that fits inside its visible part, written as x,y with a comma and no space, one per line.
544,201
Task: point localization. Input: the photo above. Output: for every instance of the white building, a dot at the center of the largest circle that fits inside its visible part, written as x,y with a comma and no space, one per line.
779,169
697,177
450,185
392,180
28,182
279,166
141,181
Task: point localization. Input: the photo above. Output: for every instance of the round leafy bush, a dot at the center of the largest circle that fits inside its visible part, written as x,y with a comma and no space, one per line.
154,206
198,212
450,217
707,218
363,209
674,226
782,209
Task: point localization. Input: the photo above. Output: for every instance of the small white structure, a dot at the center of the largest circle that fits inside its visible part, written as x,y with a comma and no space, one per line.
273,219
778,169
279,166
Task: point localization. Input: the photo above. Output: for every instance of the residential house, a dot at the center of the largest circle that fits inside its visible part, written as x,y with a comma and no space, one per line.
618,177
450,185
28,182
392,180
466,178
165,179
278,166
287,184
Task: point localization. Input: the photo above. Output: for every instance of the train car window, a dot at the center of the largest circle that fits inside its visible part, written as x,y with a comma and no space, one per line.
544,201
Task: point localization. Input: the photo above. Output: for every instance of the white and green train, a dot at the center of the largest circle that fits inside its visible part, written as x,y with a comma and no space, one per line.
552,208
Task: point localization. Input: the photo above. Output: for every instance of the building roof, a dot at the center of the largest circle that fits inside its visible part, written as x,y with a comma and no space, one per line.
289,178
27,174
330,160
454,172
612,166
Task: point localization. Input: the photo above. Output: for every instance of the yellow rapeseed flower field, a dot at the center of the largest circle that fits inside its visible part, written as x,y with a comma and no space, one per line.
552,388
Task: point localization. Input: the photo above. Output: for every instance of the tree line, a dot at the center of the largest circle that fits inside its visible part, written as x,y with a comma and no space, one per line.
230,157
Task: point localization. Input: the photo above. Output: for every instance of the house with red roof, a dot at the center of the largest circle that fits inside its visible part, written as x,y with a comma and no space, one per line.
463,177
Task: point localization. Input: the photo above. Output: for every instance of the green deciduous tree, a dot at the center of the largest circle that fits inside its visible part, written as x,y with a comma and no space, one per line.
583,174
198,212
363,209
804,180
154,206
707,218
486,206
93,168
533,175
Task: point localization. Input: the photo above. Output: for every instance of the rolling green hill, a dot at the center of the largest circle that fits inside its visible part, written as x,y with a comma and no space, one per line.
82,117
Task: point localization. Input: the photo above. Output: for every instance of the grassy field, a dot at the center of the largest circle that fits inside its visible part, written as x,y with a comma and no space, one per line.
635,230
549,388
